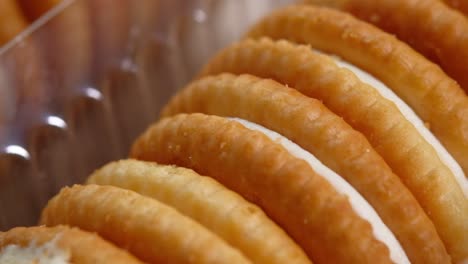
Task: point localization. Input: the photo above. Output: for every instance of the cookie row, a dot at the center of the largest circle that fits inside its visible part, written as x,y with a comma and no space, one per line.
385,110
178,217
354,145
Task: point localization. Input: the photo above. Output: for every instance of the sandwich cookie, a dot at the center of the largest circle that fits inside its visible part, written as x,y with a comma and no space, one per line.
290,59
150,230
240,223
315,206
429,26
58,245
437,99
325,135
392,128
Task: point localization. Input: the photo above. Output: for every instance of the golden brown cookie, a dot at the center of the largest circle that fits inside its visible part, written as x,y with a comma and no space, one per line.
12,21
208,202
429,26
409,155
61,244
315,128
152,231
317,208
437,99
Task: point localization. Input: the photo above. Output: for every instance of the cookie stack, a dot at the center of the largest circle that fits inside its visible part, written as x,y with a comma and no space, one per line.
319,137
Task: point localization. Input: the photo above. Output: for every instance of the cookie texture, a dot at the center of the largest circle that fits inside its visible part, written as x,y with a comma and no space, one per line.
313,213
437,99
429,26
71,245
240,223
307,122
150,230
406,152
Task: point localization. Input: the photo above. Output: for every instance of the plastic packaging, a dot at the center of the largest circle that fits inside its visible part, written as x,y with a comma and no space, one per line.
85,79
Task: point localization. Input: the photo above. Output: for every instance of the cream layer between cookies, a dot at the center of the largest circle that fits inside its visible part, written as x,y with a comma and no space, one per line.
412,117
48,253
358,203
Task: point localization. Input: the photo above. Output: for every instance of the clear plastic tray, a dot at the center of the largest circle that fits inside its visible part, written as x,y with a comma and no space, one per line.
84,80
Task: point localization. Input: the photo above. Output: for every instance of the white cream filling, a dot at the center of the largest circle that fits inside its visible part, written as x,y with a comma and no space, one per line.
412,117
358,203
48,253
